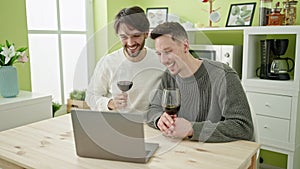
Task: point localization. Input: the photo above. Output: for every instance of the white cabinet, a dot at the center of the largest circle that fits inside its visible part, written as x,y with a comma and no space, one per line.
26,108
275,103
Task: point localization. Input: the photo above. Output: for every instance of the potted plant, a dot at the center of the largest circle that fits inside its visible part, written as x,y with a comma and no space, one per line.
9,86
76,100
55,107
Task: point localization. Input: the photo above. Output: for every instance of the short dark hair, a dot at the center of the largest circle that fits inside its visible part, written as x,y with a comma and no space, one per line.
134,17
174,29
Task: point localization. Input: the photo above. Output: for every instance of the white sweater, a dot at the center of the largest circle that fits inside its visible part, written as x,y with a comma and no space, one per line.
145,74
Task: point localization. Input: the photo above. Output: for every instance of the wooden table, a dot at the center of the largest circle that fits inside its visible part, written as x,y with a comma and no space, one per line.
50,144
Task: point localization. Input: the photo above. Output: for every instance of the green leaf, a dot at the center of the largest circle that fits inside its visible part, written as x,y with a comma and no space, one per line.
77,95
7,44
240,21
235,11
22,49
2,58
244,8
246,13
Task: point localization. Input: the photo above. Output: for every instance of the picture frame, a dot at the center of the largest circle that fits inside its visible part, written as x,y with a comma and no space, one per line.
157,16
241,14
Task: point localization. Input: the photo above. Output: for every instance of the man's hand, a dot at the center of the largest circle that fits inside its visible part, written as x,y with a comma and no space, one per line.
174,126
118,102
166,122
182,128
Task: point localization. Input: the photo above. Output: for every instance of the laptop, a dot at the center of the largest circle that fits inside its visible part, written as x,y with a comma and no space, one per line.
111,136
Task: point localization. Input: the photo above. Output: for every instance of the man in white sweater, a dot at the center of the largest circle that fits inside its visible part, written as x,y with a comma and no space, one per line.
133,62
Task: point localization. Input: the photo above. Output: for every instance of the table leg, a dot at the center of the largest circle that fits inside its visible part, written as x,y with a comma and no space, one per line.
253,162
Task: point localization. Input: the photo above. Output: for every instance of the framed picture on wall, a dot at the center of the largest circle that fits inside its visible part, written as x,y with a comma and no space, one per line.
240,14
157,16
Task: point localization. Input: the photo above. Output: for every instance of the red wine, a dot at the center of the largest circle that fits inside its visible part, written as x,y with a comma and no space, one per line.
124,85
171,109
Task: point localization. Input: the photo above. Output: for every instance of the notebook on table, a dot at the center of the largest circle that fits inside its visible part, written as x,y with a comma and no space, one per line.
111,136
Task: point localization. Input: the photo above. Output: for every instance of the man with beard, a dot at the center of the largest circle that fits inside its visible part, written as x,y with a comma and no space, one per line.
214,106
133,62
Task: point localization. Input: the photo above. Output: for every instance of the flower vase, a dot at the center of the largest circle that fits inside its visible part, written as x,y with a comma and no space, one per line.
9,86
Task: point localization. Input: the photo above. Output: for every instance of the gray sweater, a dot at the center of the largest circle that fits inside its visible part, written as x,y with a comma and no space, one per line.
213,100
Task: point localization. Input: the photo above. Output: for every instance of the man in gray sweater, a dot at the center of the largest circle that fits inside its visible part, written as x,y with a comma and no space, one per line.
214,107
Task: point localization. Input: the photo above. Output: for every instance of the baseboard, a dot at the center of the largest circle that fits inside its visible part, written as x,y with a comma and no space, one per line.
267,166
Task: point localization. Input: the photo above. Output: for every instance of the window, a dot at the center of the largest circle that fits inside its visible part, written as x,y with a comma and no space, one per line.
58,32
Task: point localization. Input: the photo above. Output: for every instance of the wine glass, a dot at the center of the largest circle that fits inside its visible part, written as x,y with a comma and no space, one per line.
171,101
124,84
124,81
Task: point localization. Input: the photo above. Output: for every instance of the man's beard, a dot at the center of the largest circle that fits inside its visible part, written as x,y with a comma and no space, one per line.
136,53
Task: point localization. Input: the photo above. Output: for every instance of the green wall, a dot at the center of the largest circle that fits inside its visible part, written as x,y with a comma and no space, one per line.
14,29
13,24
274,159
198,14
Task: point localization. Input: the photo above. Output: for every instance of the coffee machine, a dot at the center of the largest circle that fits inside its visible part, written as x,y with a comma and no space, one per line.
272,65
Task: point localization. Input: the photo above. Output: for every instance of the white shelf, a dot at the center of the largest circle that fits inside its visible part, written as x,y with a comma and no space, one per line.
271,86
268,96
251,53
255,29
216,29
265,30
21,97
26,108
